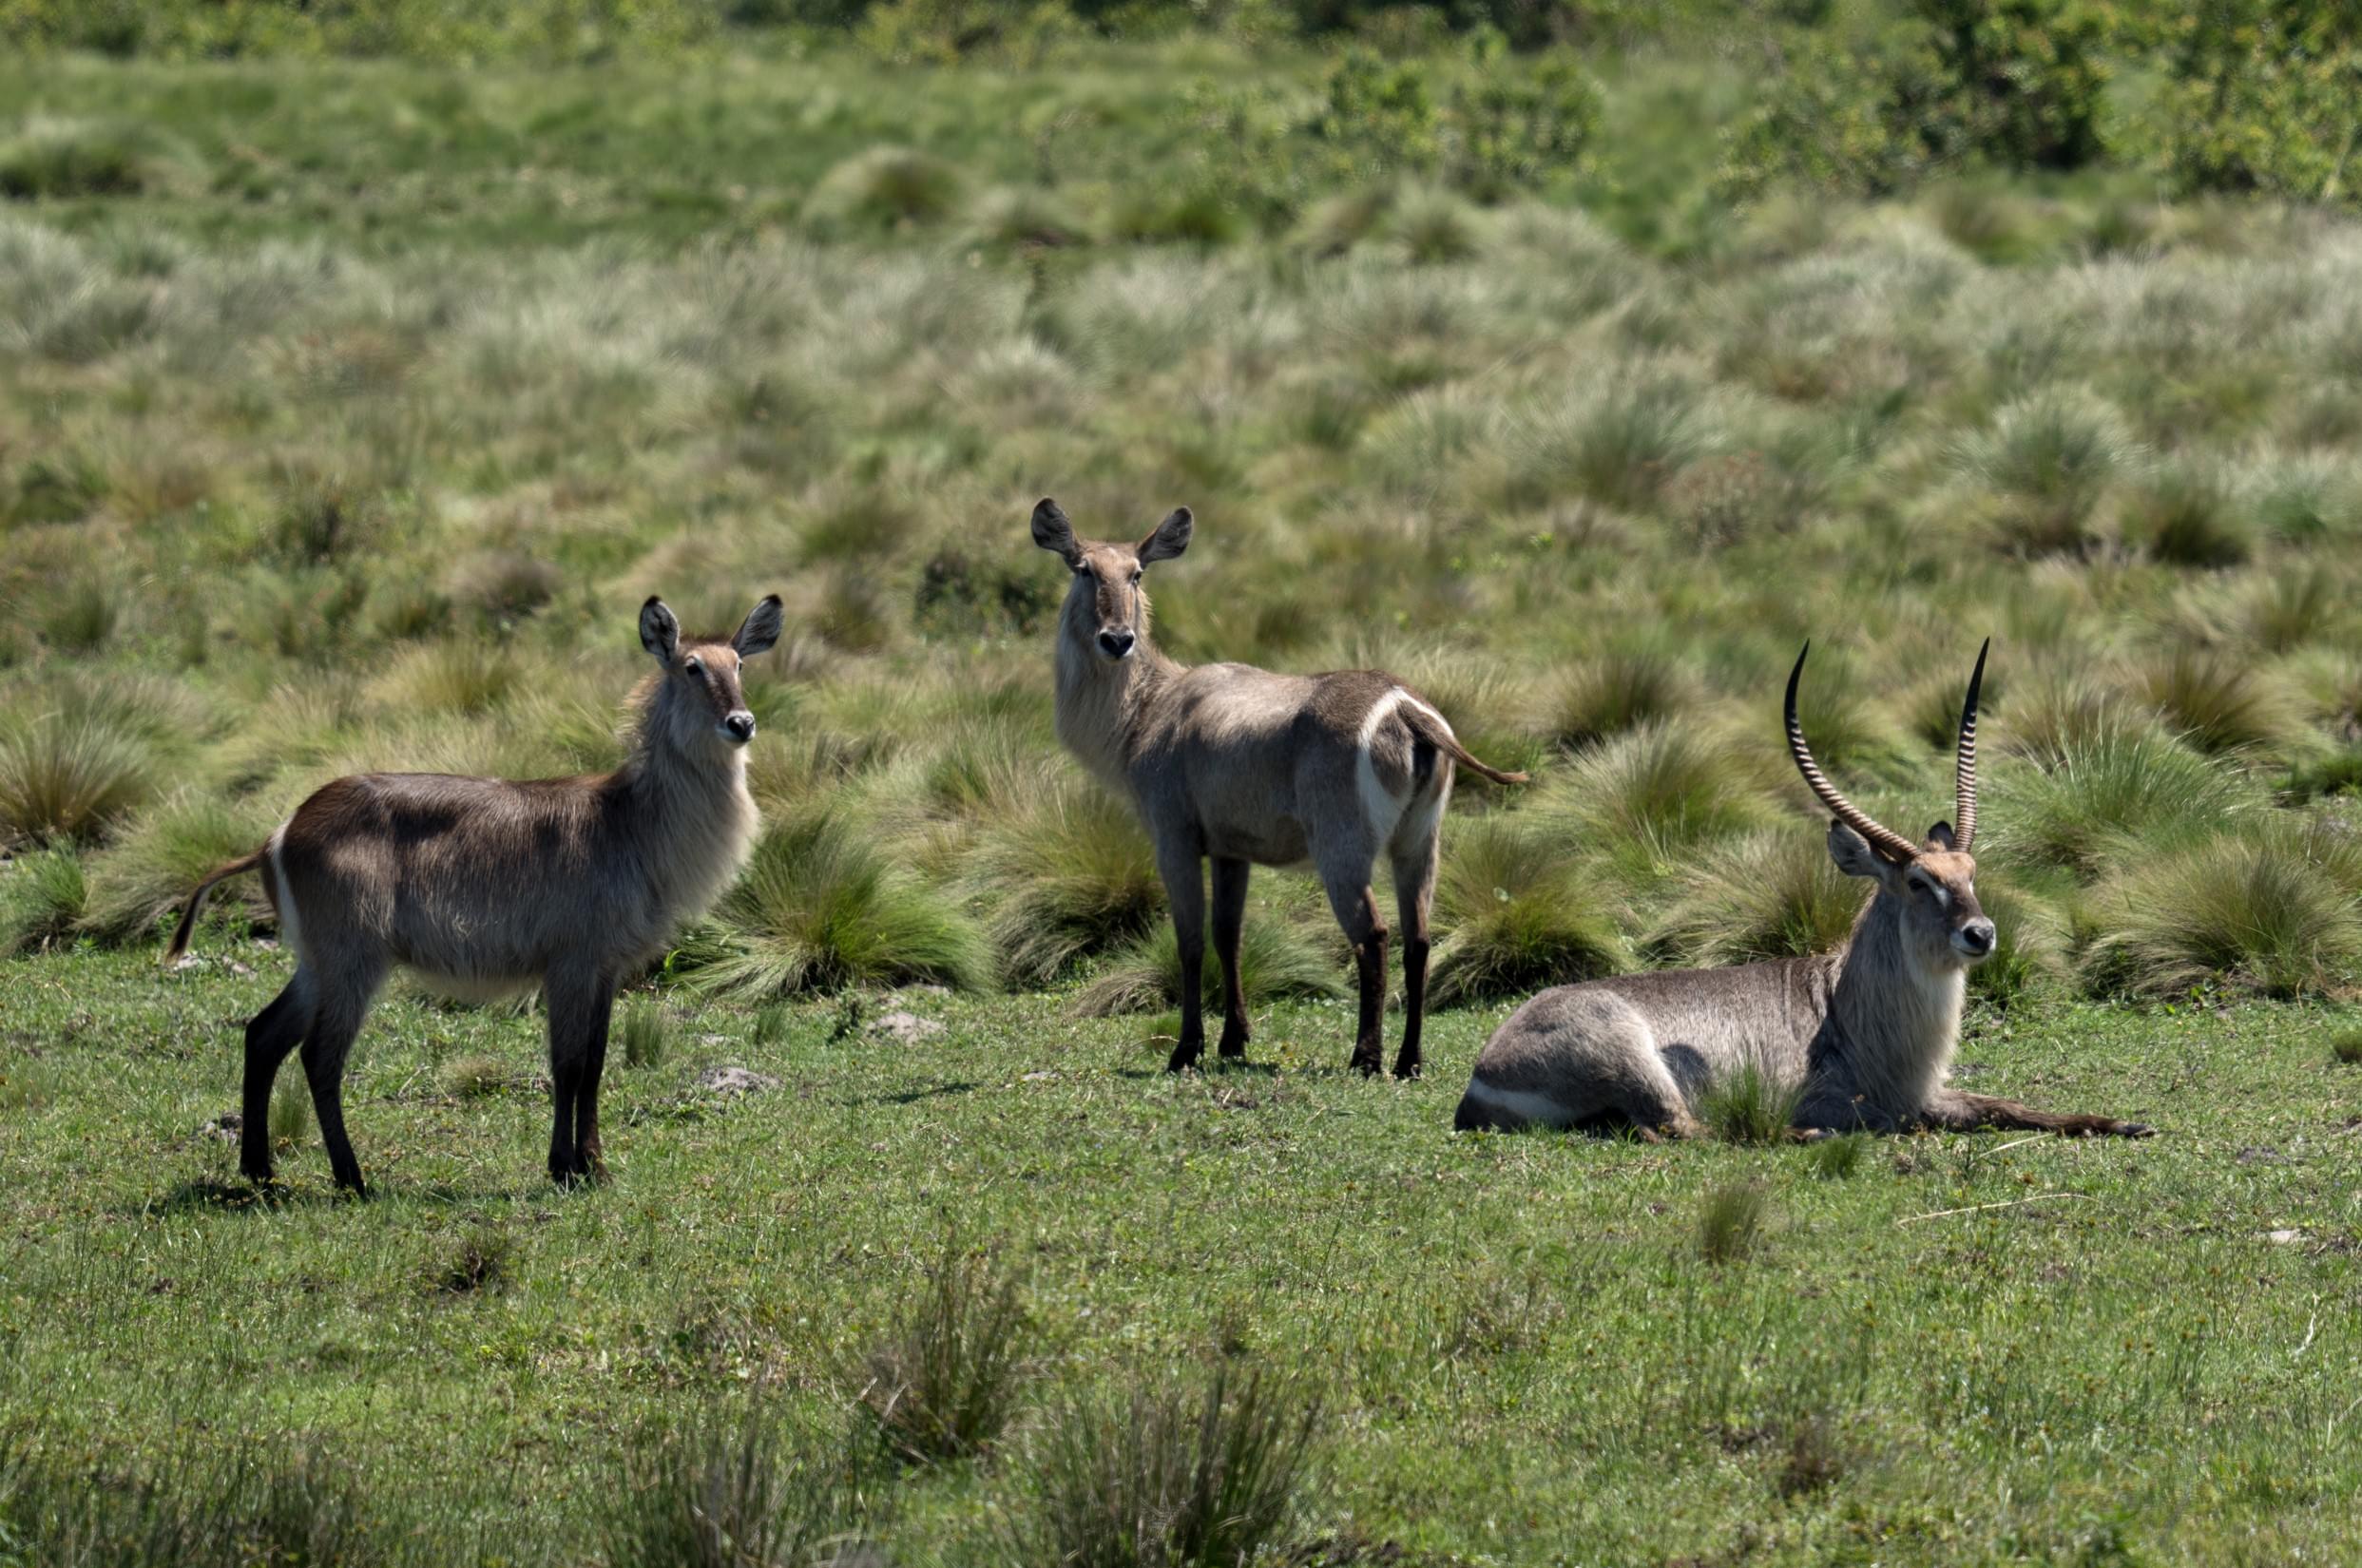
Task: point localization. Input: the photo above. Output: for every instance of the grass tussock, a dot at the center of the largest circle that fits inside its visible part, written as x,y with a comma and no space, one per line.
947,1381
2346,1048
1837,1157
482,1264
820,907
1655,790
2216,704
1730,1222
1518,915
2121,787
291,1112
145,877
1617,691
1749,1106
71,774
1277,958
741,1493
1769,895
476,1077
2044,462
297,1510
1069,875
2275,912
1204,1473
43,896
646,1034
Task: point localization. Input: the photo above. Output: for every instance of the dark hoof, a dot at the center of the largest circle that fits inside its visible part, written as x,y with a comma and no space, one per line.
263,1177
1409,1072
2132,1129
1183,1057
1368,1066
1233,1049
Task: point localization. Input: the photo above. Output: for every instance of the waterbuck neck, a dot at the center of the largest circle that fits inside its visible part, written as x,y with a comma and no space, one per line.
1894,1014
685,791
1101,700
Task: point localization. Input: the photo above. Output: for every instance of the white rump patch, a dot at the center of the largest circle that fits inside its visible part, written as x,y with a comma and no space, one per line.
1379,807
290,923
1522,1105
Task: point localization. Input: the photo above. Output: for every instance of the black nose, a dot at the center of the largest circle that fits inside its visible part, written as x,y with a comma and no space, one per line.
1116,643
741,725
1978,934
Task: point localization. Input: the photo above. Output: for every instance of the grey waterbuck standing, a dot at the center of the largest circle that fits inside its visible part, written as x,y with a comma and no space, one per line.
488,886
1864,1036
1243,767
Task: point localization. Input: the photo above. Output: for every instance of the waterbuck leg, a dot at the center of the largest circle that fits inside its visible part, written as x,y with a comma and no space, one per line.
335,1022
272,1032
1185,890
1230,913
1415,902
1965,1112
1358,911
579,1008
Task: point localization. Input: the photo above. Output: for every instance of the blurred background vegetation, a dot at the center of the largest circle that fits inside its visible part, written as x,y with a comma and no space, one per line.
362,366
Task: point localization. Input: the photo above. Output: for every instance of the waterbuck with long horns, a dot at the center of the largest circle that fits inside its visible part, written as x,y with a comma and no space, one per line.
1863,1036
1244,767
487,886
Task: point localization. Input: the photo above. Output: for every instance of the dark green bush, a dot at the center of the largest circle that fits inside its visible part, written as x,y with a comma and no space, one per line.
2260,97
2011,84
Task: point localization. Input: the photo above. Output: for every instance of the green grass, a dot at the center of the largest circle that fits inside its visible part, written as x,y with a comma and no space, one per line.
349,410
706,1266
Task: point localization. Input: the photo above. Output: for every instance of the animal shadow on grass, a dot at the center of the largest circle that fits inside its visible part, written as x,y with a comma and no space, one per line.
912,1097
198,1194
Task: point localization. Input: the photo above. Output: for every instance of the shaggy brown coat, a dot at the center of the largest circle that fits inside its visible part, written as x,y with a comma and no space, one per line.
488,886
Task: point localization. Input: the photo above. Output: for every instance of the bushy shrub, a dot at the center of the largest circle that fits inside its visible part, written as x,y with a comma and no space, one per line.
2013,84
2259,96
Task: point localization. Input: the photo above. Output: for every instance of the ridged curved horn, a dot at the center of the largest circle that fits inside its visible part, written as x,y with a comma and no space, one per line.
1964,825
1895,845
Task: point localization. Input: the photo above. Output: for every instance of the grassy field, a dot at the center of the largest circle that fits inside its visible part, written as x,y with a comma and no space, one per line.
349,410
1525,1355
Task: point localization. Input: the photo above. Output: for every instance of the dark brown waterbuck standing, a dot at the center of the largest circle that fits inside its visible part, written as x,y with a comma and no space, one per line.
1246,768
1863,1036
490,886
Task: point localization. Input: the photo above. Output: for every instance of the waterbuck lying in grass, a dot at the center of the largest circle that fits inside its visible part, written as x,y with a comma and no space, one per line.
1250,768
1863,1037
487,887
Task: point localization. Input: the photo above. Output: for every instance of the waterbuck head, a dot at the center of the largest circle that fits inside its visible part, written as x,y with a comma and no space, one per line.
699,700
1932,883
1105,611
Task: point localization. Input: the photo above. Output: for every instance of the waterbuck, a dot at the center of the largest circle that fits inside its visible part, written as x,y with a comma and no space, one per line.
1863,1036
488,886
1245,766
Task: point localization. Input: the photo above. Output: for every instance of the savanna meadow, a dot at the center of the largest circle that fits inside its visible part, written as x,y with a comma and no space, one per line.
365,368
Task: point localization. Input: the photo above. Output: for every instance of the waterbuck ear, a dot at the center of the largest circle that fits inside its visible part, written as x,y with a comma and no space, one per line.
761,629
1854,857
1053,532
1171,538
1940,836
659,632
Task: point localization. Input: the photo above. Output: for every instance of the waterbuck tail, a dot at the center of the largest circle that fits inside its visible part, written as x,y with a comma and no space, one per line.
1429,726
197,900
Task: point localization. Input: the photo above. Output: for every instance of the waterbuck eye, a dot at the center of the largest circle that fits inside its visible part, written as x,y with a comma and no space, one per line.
694,667
1136,576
